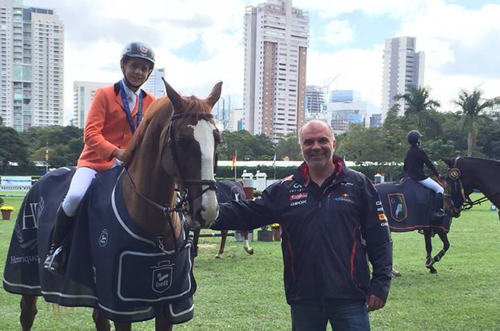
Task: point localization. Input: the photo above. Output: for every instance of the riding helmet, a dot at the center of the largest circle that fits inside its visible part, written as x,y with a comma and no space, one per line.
413,137
139,50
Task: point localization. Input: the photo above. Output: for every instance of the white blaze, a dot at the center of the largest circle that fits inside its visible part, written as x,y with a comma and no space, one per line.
204,135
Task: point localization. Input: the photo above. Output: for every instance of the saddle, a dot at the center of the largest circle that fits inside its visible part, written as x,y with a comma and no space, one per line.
410,206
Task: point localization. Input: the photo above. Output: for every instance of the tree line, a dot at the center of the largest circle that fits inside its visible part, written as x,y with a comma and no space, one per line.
473,130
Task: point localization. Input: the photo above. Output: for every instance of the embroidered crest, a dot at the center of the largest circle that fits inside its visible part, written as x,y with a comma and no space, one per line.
162,276
397,203
103,238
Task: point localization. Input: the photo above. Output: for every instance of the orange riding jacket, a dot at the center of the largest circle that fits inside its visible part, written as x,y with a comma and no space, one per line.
107,128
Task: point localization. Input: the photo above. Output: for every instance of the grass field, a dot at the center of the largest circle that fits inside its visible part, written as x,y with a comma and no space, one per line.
242,292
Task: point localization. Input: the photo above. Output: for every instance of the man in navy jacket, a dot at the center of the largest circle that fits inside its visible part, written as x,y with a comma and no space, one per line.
331,220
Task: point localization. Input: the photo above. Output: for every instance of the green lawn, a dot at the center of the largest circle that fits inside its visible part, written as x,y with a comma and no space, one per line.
243,292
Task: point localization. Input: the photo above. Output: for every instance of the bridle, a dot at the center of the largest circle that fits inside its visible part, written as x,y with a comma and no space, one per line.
182,203
456,176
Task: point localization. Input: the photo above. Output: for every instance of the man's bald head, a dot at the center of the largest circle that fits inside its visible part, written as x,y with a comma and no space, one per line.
316,123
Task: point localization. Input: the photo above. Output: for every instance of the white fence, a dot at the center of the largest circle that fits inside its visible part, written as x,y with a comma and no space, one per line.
15,183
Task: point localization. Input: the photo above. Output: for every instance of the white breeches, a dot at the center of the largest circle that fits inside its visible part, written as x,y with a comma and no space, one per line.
431,184
77,189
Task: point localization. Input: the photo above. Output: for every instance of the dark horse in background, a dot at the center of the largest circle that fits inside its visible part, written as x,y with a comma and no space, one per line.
227,191
410,206
129,256
466,174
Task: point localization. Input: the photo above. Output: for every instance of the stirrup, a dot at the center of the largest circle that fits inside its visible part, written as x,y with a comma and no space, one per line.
53,263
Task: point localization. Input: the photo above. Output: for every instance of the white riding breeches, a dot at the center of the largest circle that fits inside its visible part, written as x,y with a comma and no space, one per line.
79,185
433,185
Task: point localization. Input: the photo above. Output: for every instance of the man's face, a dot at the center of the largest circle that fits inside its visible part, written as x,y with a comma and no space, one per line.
136,71
317,145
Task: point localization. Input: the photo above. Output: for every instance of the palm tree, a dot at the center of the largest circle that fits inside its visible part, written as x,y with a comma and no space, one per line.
418,103
472,104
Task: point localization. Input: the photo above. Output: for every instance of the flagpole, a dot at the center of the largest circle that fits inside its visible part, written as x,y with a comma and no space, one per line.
236,160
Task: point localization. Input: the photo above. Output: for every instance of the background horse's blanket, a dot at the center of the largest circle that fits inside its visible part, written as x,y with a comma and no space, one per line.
229,191
112,264
409,206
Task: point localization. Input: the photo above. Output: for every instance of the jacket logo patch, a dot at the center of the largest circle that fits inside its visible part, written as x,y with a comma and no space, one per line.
344,198
298,196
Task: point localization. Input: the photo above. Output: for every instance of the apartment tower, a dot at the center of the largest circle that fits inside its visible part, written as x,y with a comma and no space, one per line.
403,66
276,41
31,66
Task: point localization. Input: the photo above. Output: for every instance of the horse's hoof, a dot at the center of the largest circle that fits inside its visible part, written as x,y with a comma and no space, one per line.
218,256
249,250
396,273
433,271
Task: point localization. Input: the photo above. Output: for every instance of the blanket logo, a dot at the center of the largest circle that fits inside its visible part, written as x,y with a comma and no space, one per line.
397,203
162,276
103,238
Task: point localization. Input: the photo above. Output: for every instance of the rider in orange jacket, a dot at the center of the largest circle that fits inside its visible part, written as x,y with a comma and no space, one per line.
116,111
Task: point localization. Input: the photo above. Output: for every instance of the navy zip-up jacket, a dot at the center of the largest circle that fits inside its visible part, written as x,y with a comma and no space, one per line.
327,233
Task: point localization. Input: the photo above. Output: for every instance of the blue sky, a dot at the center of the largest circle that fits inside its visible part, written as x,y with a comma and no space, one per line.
200,42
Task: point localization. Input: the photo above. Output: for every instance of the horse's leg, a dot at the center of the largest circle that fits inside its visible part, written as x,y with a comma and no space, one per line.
119,326
28,311
162,324
101,323
429,261
246,246
222,244
196,237
446,245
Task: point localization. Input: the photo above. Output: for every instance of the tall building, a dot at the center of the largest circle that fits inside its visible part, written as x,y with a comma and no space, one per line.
154,84
315,100
31,66
83,92
276,41
403,66
345,109
224,107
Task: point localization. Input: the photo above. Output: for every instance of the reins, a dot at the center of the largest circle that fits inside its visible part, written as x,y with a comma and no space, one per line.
182,204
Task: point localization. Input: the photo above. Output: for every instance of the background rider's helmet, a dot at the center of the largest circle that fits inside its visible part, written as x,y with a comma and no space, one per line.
138,50
413,137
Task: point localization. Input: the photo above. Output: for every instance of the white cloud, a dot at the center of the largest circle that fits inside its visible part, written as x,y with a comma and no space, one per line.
338,32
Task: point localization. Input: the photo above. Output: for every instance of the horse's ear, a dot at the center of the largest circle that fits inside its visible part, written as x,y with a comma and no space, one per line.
174,97
215,94
448,161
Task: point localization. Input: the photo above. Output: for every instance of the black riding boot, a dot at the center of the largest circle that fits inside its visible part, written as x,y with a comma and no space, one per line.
56,254
438,207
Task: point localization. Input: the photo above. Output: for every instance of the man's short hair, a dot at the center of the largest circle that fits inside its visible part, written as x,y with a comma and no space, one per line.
317,121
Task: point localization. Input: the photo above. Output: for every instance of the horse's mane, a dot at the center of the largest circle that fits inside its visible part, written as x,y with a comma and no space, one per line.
493,161
161,110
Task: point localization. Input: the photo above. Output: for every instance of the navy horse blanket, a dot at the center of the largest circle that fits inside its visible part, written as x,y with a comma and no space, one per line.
229,191
112,264
409,206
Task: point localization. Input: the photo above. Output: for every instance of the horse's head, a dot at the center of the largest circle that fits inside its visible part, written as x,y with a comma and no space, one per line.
189,153
453,188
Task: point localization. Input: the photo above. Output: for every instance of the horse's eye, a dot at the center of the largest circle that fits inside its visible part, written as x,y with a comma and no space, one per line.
183,142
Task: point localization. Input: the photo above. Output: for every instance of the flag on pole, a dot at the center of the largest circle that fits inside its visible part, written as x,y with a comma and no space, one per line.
274,159
46,154
233,161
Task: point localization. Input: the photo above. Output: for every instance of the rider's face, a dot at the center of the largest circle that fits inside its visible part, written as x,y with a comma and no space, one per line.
136,71
317,145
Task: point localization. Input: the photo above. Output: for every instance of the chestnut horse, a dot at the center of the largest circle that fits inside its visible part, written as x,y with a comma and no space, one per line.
465,174
167,177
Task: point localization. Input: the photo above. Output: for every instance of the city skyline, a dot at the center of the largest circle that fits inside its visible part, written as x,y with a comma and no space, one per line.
202,42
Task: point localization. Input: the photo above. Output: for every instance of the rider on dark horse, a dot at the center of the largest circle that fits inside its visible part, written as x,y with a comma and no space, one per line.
414,161
106,136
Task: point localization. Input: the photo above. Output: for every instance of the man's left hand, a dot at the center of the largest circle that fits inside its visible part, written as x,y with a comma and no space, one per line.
373,302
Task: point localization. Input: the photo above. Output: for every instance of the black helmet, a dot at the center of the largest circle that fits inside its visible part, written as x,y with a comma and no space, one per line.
413,137
139,50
